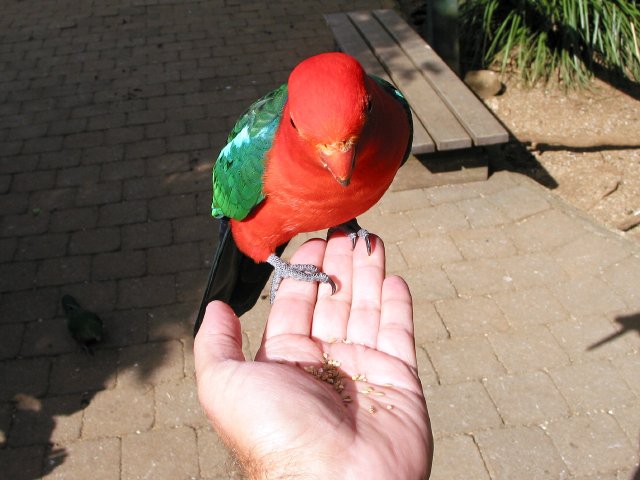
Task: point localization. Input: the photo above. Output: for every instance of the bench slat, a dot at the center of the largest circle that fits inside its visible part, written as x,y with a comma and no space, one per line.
441,124
350,41
470,111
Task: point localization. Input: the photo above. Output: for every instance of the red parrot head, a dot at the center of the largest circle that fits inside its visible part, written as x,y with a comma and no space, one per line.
328,106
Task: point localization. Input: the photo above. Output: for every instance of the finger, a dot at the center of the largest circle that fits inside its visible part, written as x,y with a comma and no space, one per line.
219,337
368,275
332,311
292,309
395,336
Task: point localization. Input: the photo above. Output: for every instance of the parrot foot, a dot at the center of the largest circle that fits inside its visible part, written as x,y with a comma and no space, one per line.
297,271
354,231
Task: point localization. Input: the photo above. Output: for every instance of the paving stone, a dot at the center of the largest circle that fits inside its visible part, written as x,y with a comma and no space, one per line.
97,296
623,278
592,338
629,420
215,461
160,454
457,458
519,202
532,270
173,206
528,349
192,229
122,170
99,193
97,459
105,154
173,321
146,291
78,176
438,219
578,299
558,227
471,316
46,337
52,419
190,285
177,405
526,399
145,187
28,305
426,372
126,212
24,224
78,372
592,386
459,360
449,193
429,250
460,408
427,324
145,235
590,444
17,276
52,200
32,181
72,219
26,376
42,246
429,284
120,264
119,411
140,364
530,307
629,367
22,462
590,254
8,247
94,241
395,202
14,203
125,327
10,339
520,452
64,270
483,243
478,277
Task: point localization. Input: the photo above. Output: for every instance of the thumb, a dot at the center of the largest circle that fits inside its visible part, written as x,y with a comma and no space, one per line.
219,337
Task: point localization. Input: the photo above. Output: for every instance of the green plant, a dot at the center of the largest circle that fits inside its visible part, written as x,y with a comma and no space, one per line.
564,40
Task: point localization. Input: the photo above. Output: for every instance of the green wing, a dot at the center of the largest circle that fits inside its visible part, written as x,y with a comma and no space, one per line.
237,174
397,94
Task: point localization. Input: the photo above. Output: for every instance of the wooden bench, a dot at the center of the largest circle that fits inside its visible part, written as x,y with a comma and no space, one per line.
453,129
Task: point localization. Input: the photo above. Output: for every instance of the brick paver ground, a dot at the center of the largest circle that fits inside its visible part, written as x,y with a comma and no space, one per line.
111,112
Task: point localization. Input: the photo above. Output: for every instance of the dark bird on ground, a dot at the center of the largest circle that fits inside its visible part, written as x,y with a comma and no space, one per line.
85,326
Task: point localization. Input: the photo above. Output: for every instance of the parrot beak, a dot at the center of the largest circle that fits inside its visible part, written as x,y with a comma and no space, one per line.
340,160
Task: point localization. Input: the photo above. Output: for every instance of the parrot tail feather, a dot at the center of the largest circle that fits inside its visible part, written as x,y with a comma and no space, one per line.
234,277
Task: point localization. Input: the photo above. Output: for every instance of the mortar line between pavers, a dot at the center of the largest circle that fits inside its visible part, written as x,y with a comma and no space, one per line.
484,462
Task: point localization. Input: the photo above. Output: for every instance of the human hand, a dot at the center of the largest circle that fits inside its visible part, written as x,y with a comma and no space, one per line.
279,419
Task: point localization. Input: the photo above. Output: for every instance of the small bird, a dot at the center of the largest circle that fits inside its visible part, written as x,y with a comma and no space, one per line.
85,326
312,154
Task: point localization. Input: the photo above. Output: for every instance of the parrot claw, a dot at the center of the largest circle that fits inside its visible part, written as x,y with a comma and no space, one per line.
352,230
304,272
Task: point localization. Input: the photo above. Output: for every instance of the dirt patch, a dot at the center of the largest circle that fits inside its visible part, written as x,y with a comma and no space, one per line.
584,145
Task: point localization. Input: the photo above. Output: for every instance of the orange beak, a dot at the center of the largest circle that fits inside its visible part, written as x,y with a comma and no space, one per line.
340,160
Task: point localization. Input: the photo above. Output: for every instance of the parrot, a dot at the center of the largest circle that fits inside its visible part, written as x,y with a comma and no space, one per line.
313,154
85,326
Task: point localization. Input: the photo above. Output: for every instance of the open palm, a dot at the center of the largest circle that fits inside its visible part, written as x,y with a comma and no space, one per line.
277,413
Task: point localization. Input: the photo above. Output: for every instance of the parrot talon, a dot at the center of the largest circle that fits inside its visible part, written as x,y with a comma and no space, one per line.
352,230
296,271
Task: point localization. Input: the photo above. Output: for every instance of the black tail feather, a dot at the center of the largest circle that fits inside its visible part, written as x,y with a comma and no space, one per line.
234,278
